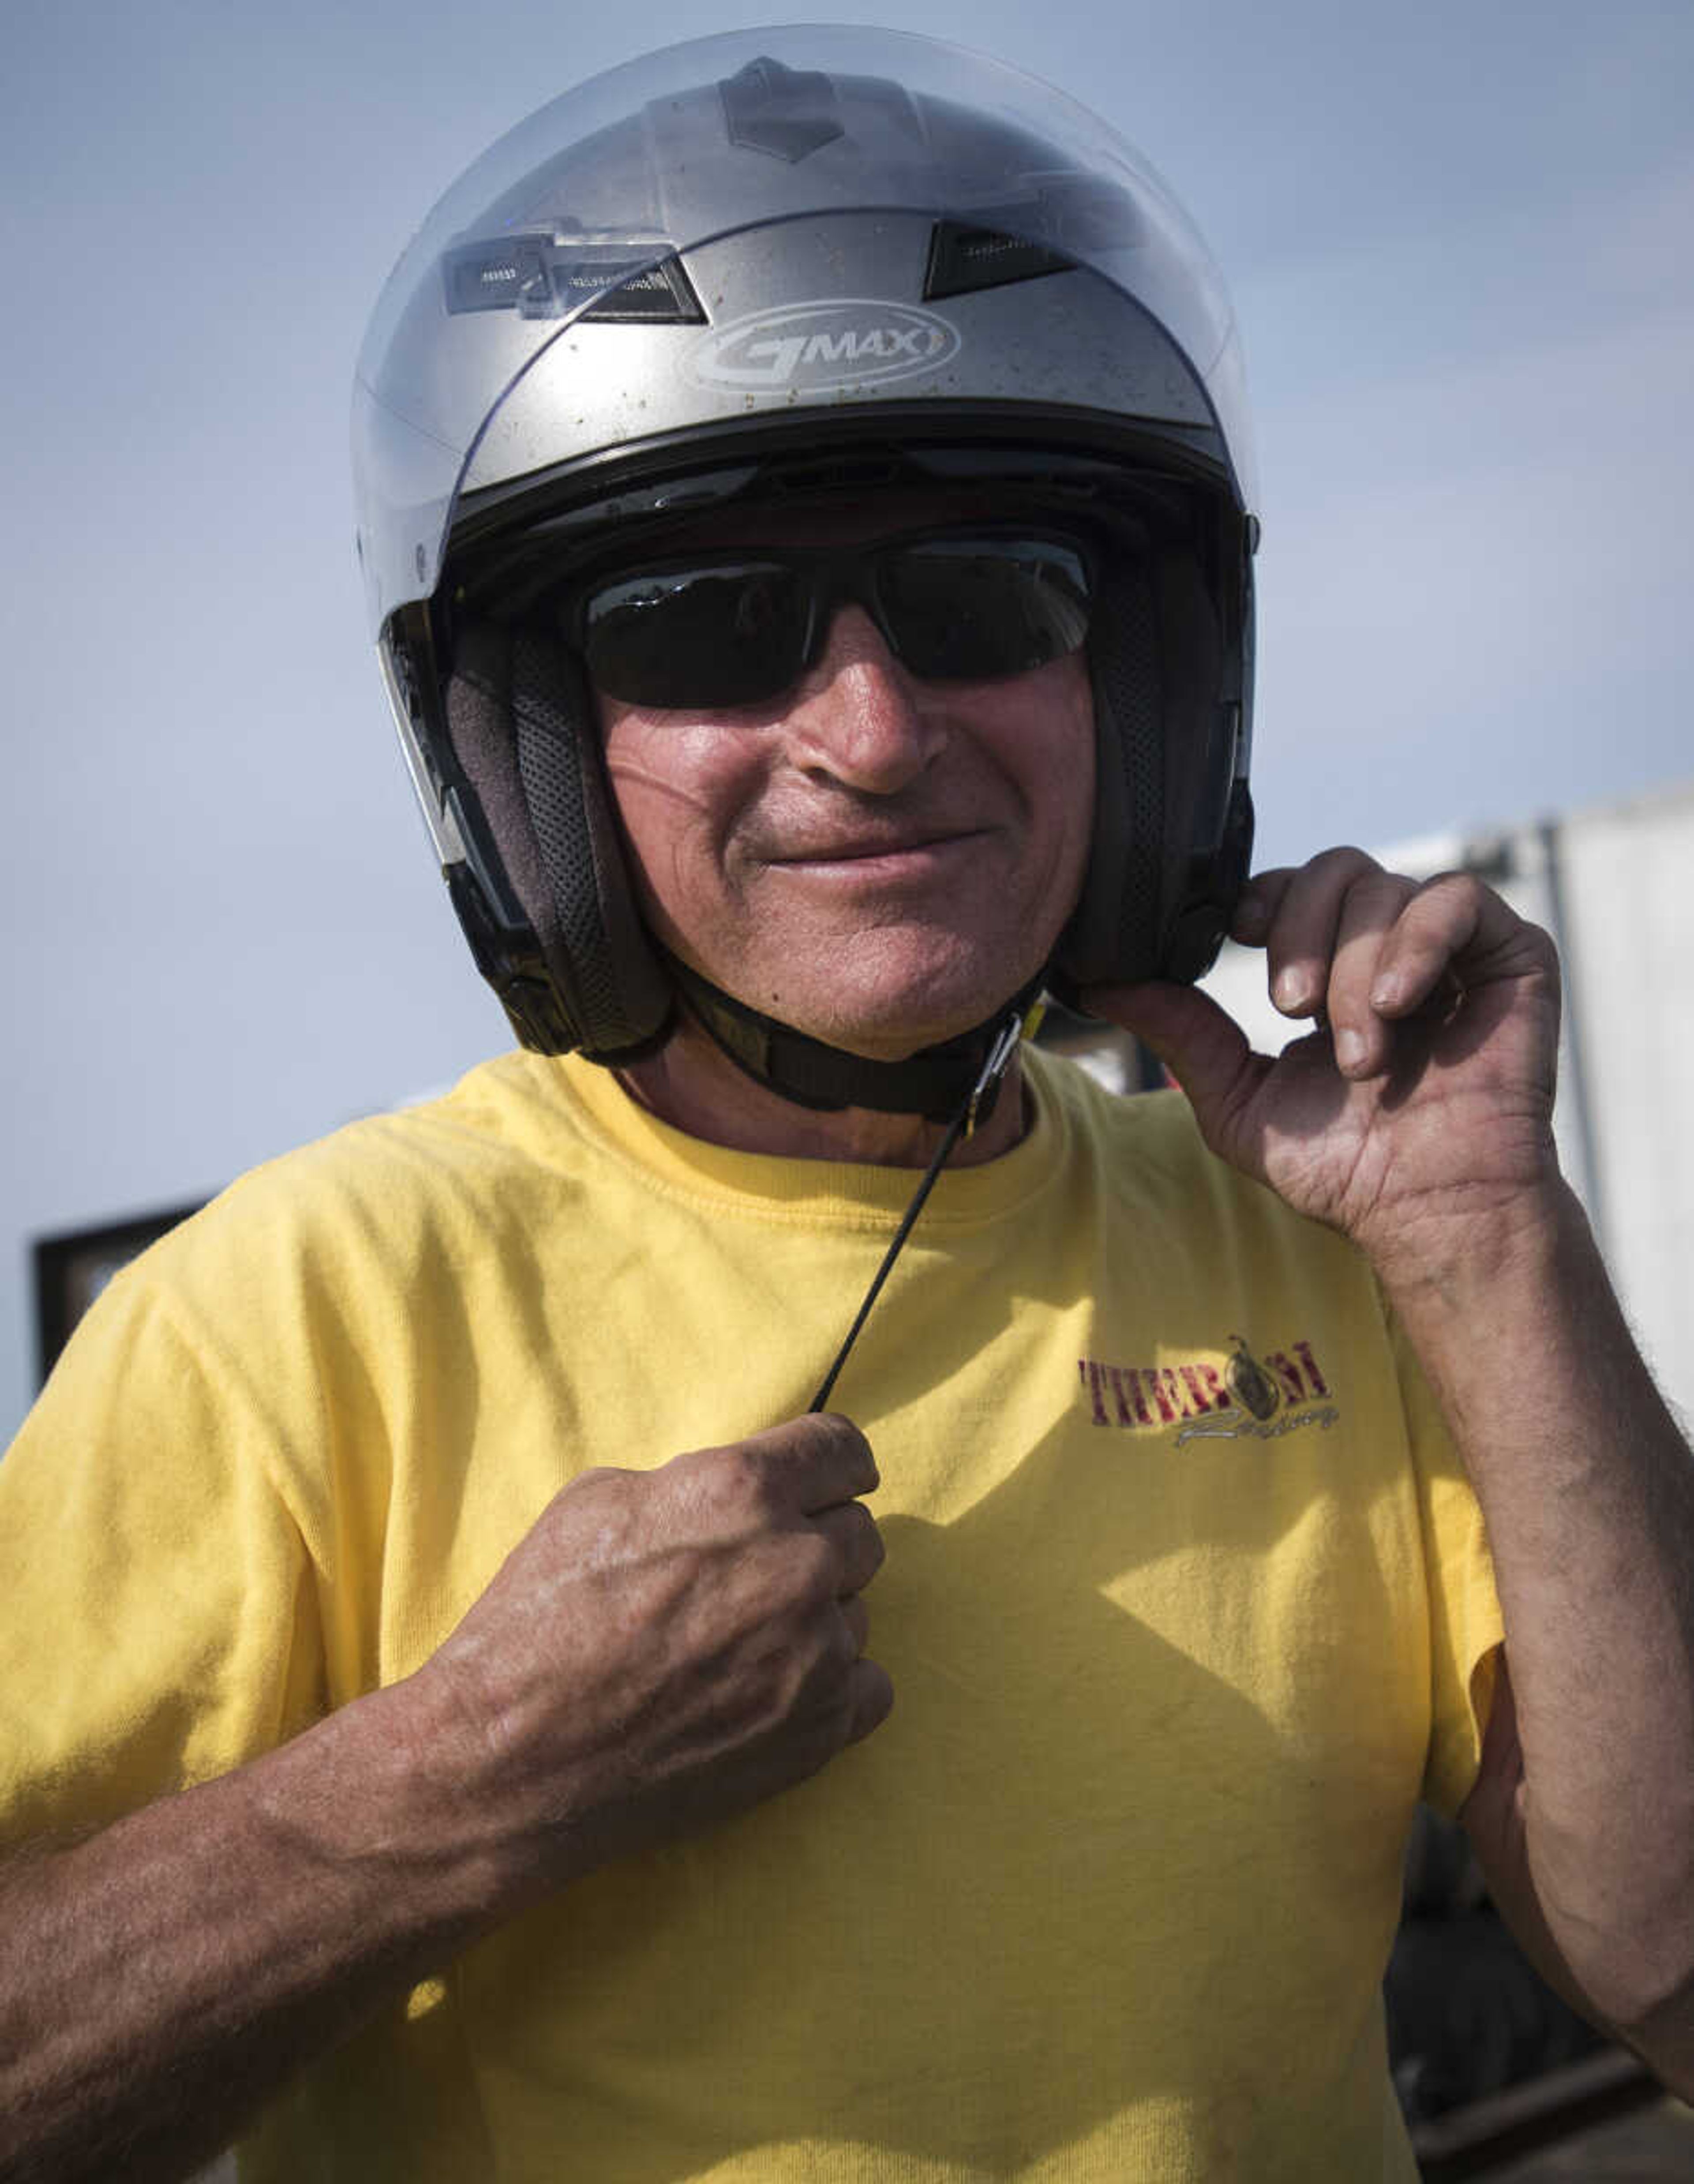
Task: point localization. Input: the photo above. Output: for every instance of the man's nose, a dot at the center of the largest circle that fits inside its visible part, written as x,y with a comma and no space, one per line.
860,716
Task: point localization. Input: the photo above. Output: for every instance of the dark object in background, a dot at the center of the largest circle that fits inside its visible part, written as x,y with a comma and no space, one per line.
1468,2015
1488,2061
73,1267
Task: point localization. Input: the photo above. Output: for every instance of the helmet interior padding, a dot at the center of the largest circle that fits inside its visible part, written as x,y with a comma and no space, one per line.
1116,921
1165,754
522,728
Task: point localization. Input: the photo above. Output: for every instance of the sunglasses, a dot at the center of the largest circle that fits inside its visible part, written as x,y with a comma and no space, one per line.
742,625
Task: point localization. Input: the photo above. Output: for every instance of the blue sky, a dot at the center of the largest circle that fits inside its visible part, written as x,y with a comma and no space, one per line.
1459,242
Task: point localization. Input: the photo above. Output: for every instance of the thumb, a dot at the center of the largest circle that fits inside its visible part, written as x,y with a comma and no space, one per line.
1201,1044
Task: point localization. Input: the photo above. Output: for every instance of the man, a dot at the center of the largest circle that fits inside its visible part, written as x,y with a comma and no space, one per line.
470,1784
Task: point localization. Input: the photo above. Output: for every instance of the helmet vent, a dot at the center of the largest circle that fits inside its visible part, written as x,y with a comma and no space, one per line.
658,295
539,276
962,259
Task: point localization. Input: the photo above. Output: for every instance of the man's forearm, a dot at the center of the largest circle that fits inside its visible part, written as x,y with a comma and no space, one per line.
663,1650
1587,1488
159,1981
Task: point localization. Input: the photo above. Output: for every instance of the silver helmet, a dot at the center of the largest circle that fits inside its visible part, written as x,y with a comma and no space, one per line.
784,263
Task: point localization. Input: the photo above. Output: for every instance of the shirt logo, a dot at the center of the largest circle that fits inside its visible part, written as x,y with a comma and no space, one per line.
822,347
1245,1397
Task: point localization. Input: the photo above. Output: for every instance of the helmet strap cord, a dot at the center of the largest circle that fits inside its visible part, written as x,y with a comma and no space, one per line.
962,1123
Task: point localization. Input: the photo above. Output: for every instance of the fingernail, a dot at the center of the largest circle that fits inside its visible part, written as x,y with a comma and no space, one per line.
1293,990
1350,1049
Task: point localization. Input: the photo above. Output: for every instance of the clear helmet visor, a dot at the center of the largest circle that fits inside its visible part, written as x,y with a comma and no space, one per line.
593,211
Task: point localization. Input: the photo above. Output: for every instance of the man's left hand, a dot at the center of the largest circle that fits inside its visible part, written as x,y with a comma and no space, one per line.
1420,1106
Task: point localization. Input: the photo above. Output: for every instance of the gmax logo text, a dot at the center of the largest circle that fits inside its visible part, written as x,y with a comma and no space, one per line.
819,348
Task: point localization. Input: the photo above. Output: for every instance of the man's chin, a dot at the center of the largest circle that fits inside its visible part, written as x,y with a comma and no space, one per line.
888,1030
884,994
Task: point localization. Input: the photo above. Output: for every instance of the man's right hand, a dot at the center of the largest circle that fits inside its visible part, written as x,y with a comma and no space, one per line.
664,1649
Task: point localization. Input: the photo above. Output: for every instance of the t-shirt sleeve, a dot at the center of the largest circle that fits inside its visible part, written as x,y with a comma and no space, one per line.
1464,1622
158,1614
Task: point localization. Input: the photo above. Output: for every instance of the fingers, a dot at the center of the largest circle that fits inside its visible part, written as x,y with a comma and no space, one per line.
858,1617
1359,948
813,1462
802,1476
1257,904
870,1688
867,1689
1301,919
1455,931
852,1533
871,1699
1369,911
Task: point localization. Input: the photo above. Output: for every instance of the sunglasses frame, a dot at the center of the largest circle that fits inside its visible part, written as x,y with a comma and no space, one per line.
831,576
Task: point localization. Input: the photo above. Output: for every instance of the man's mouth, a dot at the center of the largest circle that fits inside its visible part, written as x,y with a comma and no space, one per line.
868,849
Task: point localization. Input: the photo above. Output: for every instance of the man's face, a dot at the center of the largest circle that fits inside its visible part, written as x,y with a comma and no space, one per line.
875,859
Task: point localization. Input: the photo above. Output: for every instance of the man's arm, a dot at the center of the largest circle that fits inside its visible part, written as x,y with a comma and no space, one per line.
664,1650
1417,1121
159,1980
1583,1811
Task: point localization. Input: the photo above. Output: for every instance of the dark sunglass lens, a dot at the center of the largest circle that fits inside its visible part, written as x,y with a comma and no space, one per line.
727,634
962,610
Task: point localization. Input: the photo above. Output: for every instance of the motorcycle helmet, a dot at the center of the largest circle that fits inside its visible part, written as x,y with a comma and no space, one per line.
779,266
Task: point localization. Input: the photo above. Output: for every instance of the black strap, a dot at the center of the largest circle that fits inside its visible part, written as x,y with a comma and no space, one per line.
976,1105
933,1083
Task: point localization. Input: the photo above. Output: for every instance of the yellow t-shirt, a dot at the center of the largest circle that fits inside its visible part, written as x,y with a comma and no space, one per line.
1185,1603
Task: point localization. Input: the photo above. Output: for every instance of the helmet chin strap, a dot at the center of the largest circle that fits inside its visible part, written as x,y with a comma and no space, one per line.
935,1083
